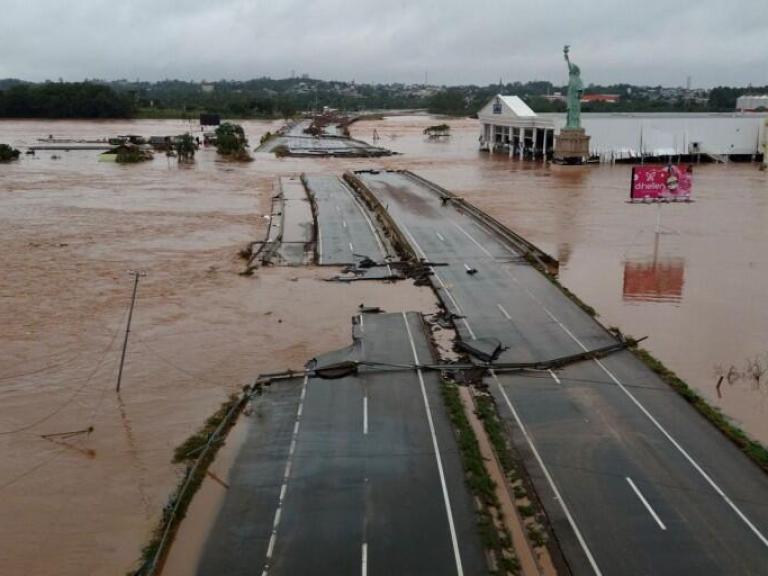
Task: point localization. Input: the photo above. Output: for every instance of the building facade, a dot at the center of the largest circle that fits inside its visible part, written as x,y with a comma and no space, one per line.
755,103
508,124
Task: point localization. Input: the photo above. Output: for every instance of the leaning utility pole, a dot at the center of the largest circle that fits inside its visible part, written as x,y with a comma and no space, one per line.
136,275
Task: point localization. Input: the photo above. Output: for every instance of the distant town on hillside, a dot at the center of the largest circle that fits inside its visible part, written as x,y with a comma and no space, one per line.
267,97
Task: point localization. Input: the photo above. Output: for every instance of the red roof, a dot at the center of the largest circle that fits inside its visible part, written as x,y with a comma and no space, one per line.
600,97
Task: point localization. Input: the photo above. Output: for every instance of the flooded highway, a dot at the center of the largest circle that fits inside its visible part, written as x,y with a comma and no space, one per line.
73,226
346,475
697,289
355,238
597,430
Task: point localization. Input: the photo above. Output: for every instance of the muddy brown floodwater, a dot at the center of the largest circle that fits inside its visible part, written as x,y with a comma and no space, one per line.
71,228
697,289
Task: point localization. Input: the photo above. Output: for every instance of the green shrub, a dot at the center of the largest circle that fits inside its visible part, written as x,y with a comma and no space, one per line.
8,153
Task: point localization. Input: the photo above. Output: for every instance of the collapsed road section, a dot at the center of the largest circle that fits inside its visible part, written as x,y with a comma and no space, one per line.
633,479
358,474
318,219
361,471
295,140
346,233
291,233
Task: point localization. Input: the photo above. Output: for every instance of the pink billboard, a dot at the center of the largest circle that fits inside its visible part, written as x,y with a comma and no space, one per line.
662,183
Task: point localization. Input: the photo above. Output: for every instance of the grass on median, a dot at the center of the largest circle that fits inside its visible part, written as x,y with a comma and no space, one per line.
492,532
486,412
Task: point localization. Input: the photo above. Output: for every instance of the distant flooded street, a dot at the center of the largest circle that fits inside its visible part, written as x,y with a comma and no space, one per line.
72,227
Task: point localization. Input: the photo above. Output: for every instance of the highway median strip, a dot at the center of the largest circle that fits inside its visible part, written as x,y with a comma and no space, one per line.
493,531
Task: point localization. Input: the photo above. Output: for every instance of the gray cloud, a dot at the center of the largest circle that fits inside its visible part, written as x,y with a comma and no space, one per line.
454,41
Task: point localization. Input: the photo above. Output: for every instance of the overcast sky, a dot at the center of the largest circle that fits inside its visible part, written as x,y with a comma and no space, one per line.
453,41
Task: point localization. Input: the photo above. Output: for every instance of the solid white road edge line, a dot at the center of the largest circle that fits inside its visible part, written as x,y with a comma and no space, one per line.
669,437
286,477
528,439
367,219
438,458
548,476
440,280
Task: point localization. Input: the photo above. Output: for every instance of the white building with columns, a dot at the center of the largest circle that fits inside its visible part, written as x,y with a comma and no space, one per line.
509,124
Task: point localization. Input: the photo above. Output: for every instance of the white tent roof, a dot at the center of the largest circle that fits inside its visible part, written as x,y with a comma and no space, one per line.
510,106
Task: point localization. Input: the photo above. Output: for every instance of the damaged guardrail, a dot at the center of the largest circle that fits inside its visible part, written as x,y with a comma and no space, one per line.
396,236
530,251
344,362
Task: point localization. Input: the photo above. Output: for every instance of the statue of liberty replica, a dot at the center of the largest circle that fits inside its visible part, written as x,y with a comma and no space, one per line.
572,144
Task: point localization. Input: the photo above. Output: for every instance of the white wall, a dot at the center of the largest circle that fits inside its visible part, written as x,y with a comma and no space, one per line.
671,133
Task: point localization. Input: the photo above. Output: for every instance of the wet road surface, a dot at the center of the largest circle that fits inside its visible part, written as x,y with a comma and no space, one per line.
349,476
300,143
633,479
297,223
345,231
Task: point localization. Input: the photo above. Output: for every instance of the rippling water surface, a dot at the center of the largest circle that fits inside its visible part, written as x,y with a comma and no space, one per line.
71,226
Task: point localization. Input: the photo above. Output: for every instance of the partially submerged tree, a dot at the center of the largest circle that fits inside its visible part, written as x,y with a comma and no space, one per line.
231,142
8,153
131,154
185,148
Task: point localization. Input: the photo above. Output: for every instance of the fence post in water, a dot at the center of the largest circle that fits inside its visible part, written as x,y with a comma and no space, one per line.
136,275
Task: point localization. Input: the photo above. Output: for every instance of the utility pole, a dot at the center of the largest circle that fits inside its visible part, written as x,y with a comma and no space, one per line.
136,275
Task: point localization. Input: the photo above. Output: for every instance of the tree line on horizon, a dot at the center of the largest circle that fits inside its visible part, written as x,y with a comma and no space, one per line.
270,98
64,100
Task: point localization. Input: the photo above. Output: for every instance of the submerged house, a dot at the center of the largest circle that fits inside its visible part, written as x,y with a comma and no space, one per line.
509,124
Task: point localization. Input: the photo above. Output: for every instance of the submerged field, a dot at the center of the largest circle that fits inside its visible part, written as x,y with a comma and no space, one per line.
73,227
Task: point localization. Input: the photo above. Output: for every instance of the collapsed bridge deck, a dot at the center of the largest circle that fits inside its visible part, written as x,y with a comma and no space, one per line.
361,470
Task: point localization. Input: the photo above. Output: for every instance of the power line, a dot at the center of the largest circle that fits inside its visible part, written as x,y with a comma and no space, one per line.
67,402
